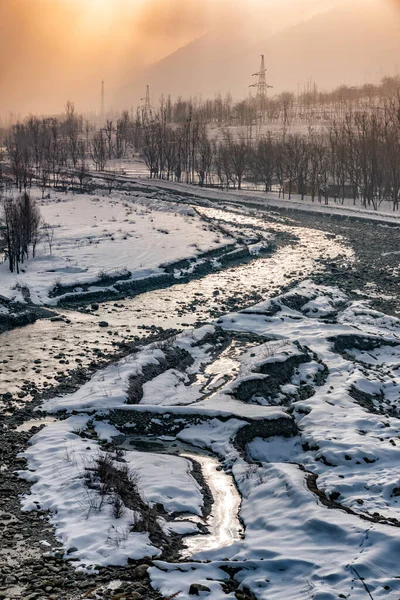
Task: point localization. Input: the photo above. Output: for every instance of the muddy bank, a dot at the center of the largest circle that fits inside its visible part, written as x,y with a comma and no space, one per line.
332,502
122,287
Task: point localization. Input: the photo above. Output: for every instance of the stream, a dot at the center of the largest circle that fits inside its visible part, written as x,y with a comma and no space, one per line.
47,351
223,523
211,547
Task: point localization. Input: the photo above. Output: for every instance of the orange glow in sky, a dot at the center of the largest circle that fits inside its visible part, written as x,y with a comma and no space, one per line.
54,50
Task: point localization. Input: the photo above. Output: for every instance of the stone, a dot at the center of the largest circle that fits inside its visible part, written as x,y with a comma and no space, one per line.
140,572
196,588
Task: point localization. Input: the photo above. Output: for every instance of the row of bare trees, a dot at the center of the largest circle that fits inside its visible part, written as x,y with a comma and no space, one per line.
357,157
284,107
58,151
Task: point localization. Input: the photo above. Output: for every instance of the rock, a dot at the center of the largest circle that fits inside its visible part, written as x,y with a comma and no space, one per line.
94,306
140,572
72,549
196,588
103,324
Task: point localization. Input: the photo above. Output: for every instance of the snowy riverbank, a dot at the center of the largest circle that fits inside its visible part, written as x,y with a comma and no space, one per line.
297,398
101,239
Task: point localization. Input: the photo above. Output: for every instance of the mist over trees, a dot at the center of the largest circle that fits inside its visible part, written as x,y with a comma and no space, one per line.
58,151
356,156
341,144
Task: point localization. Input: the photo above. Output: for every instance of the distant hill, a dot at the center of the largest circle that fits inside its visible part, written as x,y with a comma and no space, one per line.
351,43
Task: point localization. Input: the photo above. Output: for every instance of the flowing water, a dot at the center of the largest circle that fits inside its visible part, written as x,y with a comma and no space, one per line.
223,523
48,350
224,527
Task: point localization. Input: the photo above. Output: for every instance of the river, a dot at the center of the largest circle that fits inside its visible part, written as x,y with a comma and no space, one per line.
47,350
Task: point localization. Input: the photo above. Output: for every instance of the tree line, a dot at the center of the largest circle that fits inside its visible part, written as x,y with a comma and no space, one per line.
281,108
59,151
356,157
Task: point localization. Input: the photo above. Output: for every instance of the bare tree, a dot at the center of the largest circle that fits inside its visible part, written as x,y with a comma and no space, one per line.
205,156
71,127
48,234
99,152
19,229
151,147
109,130
122,135
111,178
262,162
239,153
83,175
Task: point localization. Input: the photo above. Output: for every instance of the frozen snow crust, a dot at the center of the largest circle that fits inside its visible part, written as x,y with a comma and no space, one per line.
299,399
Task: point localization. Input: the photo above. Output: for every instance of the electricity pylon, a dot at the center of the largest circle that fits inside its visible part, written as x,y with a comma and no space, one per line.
146,108
261,85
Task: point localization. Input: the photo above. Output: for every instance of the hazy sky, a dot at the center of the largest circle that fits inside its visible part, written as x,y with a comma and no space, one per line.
54,50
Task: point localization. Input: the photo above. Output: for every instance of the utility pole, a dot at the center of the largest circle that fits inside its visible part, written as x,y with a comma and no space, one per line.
102,99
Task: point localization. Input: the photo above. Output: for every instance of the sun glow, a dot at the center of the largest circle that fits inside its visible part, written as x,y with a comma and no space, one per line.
95,13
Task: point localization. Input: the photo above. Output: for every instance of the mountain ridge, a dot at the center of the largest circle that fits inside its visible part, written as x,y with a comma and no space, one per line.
331,48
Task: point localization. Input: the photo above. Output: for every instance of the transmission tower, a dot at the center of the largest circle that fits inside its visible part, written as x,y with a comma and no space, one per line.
261,85
146,108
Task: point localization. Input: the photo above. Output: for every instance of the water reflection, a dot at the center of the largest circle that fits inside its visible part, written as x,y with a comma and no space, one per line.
47,350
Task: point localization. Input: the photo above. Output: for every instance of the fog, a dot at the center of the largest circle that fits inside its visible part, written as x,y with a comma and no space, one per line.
55,50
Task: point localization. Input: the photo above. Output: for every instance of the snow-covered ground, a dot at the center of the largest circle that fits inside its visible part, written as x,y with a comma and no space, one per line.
385,212
136,169
101,235
311,358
